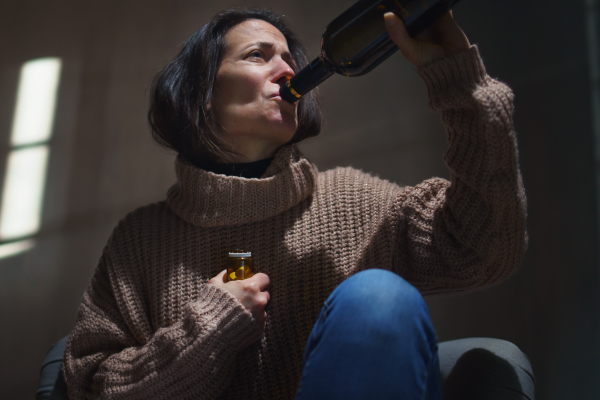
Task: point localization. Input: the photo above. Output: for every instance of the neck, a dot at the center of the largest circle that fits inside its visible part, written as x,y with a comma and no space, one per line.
246,148
246,155
254,169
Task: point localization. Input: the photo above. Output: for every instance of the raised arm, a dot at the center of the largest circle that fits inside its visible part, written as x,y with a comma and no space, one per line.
470,232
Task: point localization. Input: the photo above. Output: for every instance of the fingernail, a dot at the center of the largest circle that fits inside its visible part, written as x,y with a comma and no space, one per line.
390,18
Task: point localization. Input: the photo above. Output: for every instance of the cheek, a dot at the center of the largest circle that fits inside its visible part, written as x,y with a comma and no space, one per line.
237,89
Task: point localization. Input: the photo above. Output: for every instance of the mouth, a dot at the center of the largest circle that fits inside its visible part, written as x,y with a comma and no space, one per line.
277,98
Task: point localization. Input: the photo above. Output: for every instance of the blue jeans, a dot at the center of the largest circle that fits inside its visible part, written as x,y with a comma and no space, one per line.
373,340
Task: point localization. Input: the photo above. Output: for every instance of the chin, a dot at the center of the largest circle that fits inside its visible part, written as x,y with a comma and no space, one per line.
287,134
285,128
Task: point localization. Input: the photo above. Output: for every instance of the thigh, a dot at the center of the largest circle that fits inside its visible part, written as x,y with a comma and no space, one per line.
484,368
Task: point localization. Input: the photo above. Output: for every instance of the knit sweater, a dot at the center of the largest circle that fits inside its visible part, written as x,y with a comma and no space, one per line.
150,325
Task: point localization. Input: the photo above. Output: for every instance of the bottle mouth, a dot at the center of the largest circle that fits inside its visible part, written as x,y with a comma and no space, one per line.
288,93
305,80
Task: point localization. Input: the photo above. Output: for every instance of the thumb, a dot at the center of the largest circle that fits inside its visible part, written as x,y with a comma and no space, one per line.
399,35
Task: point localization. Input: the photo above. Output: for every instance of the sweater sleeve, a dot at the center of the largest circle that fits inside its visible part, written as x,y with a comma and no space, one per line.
112,352
469,232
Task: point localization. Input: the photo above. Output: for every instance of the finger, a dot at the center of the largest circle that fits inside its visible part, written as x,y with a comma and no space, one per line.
445,23
262,280
219,278
447,16
261,319
266,297
398,33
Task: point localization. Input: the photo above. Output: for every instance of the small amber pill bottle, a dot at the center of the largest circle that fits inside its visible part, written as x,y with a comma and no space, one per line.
239,265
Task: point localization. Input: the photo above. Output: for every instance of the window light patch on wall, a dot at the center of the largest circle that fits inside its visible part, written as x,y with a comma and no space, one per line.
14,248
23,192
27,162
36,101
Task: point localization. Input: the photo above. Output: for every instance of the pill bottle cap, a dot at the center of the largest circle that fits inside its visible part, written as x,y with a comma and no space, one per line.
240,254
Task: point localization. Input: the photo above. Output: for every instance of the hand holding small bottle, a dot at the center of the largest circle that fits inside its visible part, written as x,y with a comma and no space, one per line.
251,292
442,39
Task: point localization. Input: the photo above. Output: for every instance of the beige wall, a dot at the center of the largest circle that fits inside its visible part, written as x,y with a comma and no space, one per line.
104,163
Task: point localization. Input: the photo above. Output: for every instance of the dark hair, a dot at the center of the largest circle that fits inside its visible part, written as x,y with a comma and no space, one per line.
182,90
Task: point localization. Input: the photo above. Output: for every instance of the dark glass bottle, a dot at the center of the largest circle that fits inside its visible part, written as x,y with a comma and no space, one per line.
357,41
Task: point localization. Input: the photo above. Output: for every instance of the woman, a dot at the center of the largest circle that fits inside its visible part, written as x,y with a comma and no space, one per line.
336,310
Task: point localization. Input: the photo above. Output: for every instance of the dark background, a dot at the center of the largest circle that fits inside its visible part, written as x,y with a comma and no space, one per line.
104,164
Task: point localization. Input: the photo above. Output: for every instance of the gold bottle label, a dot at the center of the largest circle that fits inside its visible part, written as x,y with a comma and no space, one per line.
292,91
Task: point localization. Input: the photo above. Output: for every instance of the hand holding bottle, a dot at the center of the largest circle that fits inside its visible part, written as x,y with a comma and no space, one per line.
440,40
250,292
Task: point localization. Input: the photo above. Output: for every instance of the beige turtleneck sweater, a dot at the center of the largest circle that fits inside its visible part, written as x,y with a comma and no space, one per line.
150,326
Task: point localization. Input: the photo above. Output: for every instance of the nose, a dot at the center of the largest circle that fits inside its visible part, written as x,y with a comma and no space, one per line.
283,72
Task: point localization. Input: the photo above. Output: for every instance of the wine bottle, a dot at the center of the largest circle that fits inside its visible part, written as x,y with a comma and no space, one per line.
357,40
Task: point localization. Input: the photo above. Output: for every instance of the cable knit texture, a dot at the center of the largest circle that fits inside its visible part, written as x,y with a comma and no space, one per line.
150,326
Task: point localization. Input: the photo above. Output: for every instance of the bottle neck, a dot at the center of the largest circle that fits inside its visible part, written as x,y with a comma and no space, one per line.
306,80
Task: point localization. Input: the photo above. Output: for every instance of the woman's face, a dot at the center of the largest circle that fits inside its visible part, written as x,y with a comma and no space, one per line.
246,101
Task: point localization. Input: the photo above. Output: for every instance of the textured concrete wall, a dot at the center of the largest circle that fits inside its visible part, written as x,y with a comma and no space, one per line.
103,164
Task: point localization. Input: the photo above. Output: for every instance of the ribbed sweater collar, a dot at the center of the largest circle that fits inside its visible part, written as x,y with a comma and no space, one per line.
206,199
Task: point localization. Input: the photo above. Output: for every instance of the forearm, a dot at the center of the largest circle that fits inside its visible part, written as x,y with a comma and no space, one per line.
476,224
477,113
191,358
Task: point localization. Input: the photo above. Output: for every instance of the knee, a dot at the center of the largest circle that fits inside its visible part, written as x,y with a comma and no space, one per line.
379,286
377,294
